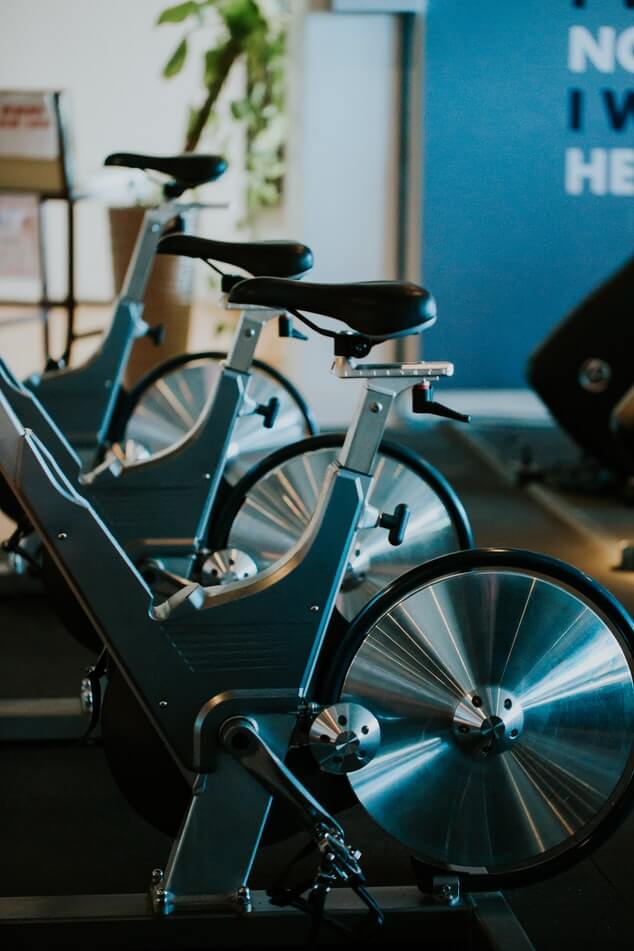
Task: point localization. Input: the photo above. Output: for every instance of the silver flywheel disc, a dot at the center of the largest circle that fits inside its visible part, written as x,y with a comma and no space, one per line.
278,508
172,405
506,708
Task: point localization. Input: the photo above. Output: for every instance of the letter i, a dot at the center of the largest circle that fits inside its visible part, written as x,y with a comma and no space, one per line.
575,110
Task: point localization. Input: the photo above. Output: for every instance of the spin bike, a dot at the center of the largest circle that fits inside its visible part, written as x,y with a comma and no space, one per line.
481,710
88,403
160,506
82,400
159,509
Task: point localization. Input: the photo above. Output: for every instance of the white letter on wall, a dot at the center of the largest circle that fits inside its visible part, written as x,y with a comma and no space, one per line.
578,170
625,49
582,47
622,171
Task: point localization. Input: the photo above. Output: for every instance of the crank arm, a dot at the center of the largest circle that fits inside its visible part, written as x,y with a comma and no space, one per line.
240,737
339,862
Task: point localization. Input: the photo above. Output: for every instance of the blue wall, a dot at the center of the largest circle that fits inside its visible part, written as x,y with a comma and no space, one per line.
506,250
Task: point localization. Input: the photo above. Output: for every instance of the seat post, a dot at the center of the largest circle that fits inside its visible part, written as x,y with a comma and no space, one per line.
150,233
250,326
384,381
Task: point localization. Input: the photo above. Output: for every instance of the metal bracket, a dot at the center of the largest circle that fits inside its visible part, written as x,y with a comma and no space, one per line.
446,889
347,369
233,703
241,737
250,326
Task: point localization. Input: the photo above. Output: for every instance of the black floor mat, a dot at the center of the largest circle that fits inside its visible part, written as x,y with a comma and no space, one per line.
67,829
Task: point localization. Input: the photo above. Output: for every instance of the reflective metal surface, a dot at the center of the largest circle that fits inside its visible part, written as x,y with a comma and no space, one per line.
279,507
344,737
225,566
171,406
506,707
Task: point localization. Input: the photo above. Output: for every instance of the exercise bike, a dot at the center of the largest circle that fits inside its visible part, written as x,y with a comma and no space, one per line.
481,710
88,403
82,400
159,509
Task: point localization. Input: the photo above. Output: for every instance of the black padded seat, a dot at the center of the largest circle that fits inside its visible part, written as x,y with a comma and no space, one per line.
187,170
374,308
272,258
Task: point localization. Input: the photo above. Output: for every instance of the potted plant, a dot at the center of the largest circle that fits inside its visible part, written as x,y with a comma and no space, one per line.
228,35
251,33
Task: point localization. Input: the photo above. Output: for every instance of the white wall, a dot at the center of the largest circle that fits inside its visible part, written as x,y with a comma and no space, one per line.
343,177
341,194
109,55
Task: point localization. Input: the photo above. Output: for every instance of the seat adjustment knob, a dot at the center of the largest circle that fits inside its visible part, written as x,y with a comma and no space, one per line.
157,334
396,523
269,412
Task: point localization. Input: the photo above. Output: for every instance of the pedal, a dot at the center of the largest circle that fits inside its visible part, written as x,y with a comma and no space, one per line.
339,861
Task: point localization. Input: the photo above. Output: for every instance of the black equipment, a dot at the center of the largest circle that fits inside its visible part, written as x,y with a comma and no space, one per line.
585,367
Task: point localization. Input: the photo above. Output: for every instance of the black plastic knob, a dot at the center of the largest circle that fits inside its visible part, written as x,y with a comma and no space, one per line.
269,412
396,523
157,334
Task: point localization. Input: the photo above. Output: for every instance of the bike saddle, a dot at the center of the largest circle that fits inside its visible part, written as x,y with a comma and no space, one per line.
188,171
376,309
278,258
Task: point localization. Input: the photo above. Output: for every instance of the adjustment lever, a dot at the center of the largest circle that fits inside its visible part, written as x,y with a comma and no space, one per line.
286,328
422,402
269,412
156,334
437,409
396,522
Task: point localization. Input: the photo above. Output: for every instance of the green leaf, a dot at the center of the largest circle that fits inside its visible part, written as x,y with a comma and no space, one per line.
176,60
243,18
240,109
178,13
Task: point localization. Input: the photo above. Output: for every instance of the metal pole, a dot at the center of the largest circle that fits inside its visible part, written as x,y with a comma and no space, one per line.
406,60
44,300
70,295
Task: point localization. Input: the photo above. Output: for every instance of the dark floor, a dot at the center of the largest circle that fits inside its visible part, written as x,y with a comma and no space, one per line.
592,904
66,829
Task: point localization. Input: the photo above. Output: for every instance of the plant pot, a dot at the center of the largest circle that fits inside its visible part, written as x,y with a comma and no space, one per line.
168,296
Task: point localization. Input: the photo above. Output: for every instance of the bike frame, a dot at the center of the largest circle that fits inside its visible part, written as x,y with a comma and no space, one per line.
206,658
160,506
82,399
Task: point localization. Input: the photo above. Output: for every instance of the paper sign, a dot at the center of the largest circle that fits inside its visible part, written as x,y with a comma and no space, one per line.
28,127
19,252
